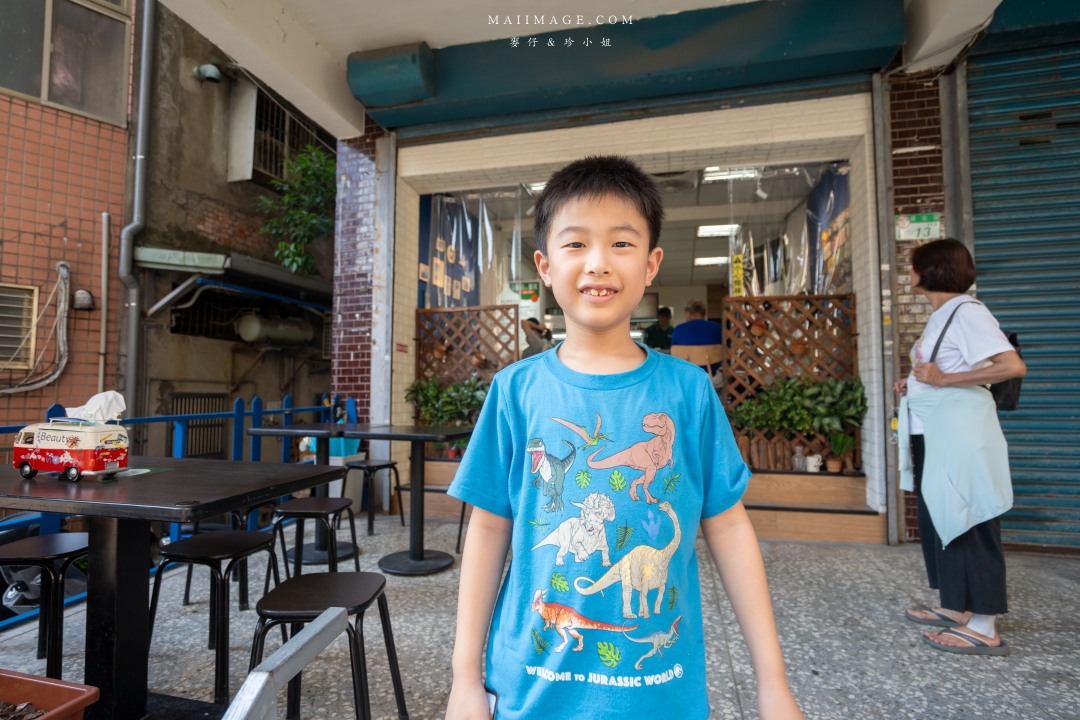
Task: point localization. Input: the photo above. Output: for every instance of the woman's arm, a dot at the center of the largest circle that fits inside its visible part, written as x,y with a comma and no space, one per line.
734,547
482,565
1006,365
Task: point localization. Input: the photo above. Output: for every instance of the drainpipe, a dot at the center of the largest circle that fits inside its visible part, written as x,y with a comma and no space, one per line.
127,235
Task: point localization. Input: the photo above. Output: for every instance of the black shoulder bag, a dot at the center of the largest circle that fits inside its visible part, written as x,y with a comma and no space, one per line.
1007,392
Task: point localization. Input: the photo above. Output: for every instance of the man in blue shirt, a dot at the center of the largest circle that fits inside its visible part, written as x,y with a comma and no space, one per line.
696,330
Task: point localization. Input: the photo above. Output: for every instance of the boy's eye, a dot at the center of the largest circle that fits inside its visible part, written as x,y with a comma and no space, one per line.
575,244
622,244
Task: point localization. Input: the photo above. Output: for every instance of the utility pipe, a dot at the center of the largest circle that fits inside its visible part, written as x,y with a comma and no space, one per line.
138,214
104,301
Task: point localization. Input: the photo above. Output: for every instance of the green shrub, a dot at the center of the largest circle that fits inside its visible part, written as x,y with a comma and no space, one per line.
804,405
455,404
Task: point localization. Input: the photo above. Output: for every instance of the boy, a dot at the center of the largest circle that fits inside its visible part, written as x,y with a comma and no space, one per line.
597,460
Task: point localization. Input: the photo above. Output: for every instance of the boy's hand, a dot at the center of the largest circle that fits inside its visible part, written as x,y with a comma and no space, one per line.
468,701
775,702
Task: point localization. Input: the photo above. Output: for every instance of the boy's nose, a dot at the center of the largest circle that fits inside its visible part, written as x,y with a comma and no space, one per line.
596,263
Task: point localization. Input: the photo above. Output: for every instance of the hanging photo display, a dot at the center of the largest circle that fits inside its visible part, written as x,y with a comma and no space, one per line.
437,273
454,235
466,283
828,221
425,272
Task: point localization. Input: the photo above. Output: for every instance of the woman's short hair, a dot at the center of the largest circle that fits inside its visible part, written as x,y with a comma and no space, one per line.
696,307
944,266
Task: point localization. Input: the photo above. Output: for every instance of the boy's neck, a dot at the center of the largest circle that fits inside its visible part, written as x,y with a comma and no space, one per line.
600,352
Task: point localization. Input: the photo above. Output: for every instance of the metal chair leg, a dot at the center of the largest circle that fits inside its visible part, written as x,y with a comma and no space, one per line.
55,660
369,480
361,697
154,596
187,585
331,543
257,644
460,526
397,485
221,649
211,643
298,551
391,656
280,530
44,611
352,531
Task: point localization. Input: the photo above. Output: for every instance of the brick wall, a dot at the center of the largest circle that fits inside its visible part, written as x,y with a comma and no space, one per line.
919,187
230,226
354,247
58,173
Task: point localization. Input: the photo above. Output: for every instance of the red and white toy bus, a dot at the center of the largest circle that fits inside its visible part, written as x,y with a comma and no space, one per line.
72,447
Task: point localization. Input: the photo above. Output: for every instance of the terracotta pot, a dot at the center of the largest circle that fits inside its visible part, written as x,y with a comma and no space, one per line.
440,351
758,328
61,700
798,347
834,465
478,360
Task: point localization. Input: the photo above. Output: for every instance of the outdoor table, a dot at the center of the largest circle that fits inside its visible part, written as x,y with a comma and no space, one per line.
315,553
416,560
118,588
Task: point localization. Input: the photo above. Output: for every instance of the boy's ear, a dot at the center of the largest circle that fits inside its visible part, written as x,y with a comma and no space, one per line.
652,265
543,267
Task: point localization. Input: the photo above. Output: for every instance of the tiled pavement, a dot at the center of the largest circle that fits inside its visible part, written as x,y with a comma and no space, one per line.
850,653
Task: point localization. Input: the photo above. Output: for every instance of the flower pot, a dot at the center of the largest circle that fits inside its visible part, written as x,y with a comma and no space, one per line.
798,347
834,465
758,328
60,700
453,453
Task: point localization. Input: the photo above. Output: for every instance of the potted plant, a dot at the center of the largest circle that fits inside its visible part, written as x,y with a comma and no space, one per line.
457,449
841,445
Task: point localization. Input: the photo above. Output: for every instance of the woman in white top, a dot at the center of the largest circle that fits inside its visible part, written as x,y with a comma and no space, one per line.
537,337
970,571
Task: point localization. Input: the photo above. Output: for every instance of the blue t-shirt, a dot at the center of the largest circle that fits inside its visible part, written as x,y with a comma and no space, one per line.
606,478
697,332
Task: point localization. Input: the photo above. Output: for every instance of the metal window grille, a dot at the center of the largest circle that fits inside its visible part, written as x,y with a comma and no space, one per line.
280,135
18,310
205,438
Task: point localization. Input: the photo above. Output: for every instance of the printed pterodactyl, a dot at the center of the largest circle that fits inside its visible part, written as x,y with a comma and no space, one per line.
590,440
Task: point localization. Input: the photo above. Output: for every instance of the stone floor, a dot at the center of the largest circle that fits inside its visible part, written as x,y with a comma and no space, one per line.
850,653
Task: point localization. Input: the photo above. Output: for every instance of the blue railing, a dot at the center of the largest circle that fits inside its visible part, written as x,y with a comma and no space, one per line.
49,523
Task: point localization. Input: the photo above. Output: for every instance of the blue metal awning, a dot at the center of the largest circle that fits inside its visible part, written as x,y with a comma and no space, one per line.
736,46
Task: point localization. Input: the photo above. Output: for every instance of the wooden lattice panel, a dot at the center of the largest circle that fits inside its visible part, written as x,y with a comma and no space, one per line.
490,331
811,335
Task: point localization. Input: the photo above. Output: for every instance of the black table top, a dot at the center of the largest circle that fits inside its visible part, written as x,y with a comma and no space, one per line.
406,432
322,430
176,490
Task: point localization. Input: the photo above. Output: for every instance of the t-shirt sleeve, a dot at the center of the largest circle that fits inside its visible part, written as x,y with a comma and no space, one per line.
725,474
980,337
482,478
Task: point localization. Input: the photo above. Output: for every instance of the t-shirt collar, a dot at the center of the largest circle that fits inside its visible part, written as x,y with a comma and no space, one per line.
613,381
950,305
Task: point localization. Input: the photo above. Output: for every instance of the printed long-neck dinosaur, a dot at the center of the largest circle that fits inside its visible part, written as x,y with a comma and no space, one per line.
660,641
551,470
643,569
567,620
648,456
590,440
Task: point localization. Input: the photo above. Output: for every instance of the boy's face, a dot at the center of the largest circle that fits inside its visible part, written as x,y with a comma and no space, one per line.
598,261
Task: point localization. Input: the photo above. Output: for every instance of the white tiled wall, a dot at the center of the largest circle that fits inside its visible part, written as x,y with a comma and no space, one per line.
805,131
406,257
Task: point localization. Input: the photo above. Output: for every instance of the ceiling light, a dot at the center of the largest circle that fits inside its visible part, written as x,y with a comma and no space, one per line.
717,230
698,262
717,174
535,188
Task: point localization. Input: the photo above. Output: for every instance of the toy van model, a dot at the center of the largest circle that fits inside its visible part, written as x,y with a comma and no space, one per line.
71,447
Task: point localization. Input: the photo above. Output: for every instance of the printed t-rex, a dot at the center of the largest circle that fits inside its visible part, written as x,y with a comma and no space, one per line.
567,620
660,641
551,470
648,456
643,569
586,534
590,440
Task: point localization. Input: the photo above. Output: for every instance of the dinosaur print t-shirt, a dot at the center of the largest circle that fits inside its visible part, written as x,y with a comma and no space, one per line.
606,478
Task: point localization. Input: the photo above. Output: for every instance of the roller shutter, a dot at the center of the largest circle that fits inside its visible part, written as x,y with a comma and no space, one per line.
1024,122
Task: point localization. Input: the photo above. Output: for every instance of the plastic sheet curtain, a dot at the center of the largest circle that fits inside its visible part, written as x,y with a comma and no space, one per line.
455,254
829,233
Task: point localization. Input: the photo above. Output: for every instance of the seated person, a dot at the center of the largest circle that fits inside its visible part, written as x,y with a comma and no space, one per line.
697,330
658,335
538,337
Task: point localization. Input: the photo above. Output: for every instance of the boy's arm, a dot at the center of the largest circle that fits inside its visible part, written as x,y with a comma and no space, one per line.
734,547
482,563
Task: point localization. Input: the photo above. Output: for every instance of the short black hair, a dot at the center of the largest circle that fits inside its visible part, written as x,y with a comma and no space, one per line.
595,177
944,266
664,312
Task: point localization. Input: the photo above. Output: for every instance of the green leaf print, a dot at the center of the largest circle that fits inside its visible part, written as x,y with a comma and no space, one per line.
609,654
559,583
617,481
540,645
669,482
622,536
539,523
673,597
583,478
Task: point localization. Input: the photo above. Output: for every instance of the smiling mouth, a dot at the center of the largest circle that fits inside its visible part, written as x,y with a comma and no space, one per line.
598,292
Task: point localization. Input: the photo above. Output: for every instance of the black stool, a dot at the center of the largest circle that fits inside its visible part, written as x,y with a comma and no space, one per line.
429,489
212,549
302,599
44,551
370,468
324,510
